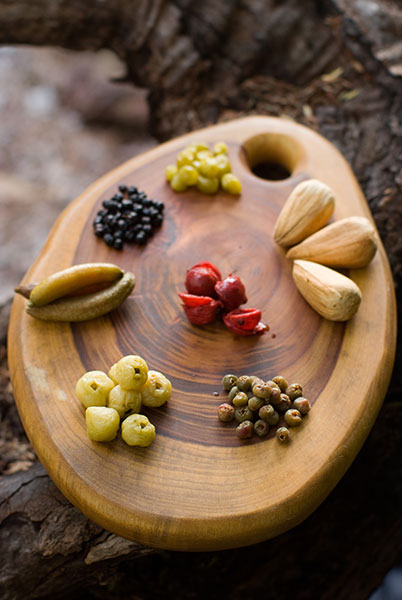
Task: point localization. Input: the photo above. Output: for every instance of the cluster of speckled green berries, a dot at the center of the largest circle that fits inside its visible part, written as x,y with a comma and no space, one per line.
120,395
208,171
258,405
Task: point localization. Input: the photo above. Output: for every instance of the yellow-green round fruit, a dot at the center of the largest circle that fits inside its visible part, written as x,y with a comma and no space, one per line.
177,184
157,389
207,185
170,172
230,183
220,148
93,388
124,400
102,423
200,146
209,167
202,154
188,174
130,372
137,430
223,164
185,157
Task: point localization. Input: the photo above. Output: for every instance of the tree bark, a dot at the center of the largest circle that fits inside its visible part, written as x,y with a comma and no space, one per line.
329,66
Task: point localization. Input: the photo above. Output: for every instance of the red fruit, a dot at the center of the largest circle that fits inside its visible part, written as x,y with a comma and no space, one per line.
190,300
245,321
201,279
203,314
231,292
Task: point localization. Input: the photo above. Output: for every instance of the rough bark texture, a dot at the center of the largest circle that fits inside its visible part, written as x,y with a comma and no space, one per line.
334,66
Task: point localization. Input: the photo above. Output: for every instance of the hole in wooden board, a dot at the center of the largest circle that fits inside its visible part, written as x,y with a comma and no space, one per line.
272,156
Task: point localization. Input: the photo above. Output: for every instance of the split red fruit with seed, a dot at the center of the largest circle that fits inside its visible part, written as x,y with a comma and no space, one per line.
231,292
202,278
245,321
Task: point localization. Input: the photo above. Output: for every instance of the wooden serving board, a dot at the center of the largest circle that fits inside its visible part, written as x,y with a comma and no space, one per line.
198,487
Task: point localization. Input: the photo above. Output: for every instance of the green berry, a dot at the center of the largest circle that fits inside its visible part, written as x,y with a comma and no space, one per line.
282,435
292,417
255,403
294,390
245,430
302,405
226,412
243,413
244,383
240,399
281,382
261,428
229,381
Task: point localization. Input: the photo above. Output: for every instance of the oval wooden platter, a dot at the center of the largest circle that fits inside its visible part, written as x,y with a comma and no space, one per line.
198,487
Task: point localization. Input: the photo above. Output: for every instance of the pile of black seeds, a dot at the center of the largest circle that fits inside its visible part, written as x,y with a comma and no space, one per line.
128,216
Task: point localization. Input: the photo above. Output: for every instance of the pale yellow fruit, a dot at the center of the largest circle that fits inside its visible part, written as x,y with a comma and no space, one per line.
130,372
124,400
157,389
307,209
334,296
137,430
93,388
348,243
102,423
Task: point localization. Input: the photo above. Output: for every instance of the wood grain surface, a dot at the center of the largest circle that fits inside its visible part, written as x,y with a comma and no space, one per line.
198,487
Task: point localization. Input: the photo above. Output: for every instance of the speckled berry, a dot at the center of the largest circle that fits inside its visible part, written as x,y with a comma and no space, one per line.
282,435
302,405
245,430
226,412
292,417
261,428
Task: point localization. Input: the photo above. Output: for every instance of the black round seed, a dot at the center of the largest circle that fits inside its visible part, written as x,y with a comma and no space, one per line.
147,229
109,219
99,230
140,238
132,190
122,224
118,197
129,235
123,188
118,243
102,213
126,205
97,220
131,217
159,205
157,221
109,239
146,220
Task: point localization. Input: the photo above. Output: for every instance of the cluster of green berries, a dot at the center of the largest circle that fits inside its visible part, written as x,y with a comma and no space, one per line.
118,396
208,171
258,405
